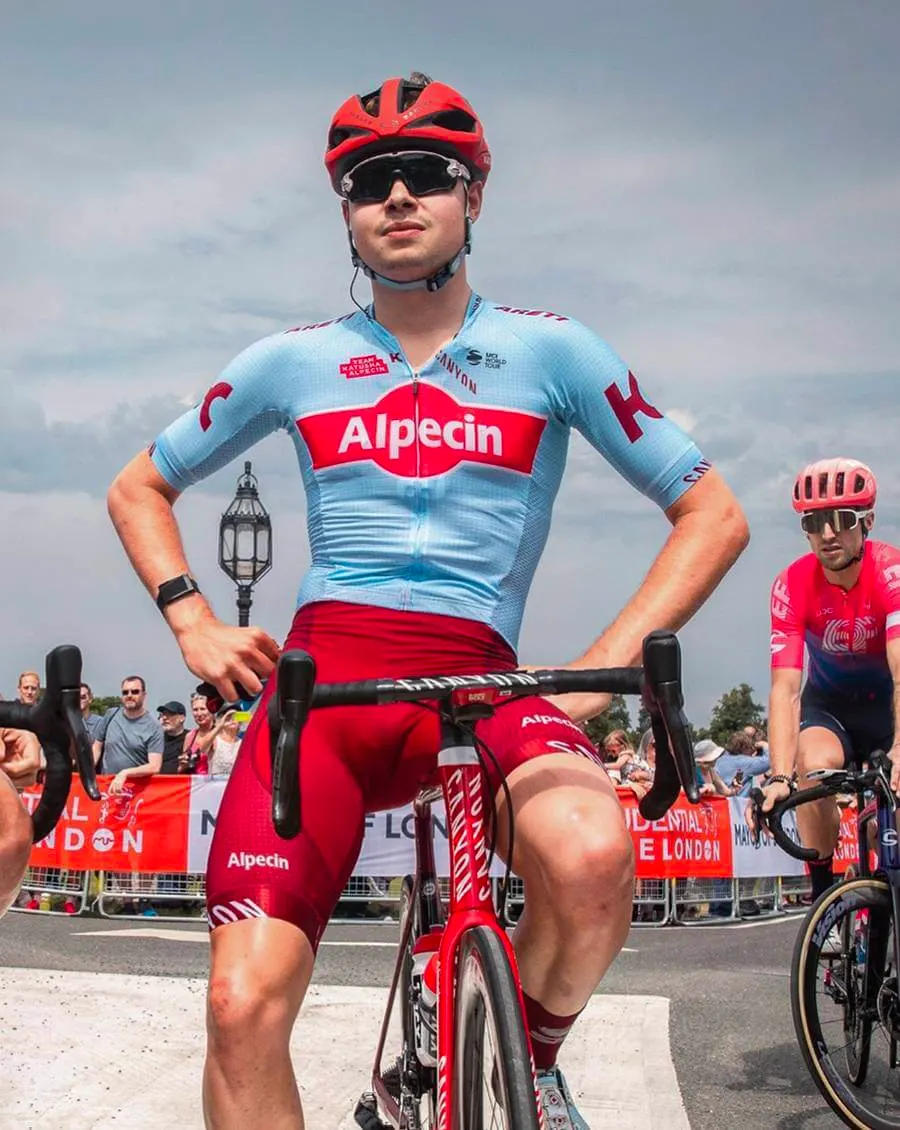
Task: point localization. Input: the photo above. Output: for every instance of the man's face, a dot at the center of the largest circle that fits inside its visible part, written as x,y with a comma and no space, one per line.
133,696
171,723
28,690
85,700
409,237
836,550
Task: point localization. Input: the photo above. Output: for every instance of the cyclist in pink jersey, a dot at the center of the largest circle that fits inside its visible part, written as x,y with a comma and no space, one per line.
429,491
841,603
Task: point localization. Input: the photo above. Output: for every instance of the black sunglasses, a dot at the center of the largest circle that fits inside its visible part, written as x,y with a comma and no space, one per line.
124,693
840,520
371,181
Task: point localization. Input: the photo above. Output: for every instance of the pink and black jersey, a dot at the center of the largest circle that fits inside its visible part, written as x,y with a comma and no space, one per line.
845,631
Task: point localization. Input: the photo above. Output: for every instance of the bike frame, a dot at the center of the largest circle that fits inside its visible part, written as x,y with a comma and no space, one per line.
471,905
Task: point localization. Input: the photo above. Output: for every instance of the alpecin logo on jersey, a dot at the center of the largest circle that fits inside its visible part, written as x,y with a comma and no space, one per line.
369,366
424,436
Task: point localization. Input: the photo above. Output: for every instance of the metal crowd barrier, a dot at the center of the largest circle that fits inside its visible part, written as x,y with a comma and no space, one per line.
657,902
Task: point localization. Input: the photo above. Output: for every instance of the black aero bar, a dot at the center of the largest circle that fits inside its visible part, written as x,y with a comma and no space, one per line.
57,722
658,682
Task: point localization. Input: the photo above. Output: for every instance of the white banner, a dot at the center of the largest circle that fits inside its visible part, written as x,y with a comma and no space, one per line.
767,858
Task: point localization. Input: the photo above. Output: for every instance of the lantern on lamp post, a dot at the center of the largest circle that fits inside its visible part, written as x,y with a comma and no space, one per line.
245,542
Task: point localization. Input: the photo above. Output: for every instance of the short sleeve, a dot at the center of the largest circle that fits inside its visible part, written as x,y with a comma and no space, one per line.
787,625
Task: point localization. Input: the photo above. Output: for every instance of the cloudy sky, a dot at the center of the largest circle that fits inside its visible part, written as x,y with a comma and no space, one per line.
713,186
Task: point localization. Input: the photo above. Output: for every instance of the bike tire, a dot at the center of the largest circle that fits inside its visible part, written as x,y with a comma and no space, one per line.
407,907
856,1053
487,1005
871,894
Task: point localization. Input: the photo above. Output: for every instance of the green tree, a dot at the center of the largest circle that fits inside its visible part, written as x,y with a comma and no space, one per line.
615,718
734,710
643,722
104,703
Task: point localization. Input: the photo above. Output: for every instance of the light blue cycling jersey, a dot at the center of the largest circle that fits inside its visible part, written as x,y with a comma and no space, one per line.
432,490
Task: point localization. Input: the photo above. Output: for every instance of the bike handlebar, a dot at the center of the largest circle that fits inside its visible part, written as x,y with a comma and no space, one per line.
57,722
841,781
658,681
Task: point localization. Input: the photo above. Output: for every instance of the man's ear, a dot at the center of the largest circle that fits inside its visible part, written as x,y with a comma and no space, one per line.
869,521
474,198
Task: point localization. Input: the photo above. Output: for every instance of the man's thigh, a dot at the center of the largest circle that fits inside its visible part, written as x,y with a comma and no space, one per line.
563,802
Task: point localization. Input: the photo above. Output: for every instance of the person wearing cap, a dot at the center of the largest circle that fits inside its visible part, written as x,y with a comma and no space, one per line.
431,428
171,717
840,606
706,754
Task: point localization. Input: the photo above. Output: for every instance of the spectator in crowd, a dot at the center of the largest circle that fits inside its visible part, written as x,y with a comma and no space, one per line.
617,752
175,736
759,738
129,741
91,721
19,762
130,746
638,771
195,758
741,762
29,688
706,755
225,745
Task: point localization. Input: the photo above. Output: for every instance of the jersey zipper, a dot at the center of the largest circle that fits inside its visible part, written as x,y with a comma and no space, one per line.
419,527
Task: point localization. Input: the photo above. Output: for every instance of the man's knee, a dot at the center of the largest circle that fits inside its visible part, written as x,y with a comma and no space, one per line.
244,1009
593,861
256,988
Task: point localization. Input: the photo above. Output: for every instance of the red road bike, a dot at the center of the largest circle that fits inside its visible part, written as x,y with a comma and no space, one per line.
465,1060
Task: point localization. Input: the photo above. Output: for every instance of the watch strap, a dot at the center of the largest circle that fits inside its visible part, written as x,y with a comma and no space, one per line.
175,589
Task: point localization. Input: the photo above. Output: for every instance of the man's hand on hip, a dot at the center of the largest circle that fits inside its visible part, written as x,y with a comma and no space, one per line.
224,655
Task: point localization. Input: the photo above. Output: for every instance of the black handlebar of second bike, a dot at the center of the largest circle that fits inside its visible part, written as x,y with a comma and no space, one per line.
58,724
836,782
658,681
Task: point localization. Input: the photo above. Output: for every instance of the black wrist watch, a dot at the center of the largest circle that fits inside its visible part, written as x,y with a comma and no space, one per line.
175,589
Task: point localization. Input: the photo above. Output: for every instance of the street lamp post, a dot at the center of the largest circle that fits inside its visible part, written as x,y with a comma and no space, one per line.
245,542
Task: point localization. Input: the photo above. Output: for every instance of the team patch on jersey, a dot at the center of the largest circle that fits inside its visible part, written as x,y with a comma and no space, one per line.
628,408
422,435
532,313
849,635
220,391
369,366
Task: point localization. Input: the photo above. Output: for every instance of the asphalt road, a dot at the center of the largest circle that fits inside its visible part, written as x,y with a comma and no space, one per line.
730,1031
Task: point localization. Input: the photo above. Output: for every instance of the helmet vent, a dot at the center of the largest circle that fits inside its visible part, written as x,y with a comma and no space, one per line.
823,483
807,487
839,483
457,120
858,483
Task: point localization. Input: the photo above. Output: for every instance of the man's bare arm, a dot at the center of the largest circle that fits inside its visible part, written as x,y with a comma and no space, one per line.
140,504
893,658
708,535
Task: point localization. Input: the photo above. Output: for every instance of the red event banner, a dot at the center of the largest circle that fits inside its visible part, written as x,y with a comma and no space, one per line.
145,828
691,841
149,828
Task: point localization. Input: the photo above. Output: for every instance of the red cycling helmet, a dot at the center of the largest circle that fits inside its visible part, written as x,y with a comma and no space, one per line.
831,483
413,113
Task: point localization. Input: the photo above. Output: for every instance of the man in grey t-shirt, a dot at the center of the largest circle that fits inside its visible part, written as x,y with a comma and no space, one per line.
129,739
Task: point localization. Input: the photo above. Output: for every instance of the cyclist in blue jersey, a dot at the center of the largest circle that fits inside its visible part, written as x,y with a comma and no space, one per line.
431,431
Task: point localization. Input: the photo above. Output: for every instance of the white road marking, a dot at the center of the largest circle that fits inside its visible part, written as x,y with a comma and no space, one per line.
617,1059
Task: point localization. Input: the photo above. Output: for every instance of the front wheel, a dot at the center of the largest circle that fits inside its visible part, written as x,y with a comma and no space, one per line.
845,1003
495,1086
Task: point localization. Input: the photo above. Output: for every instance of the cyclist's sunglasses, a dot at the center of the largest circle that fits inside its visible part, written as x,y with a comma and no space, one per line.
840,520
371,180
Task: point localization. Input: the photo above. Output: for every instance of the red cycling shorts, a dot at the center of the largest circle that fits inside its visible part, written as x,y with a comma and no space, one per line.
357,760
